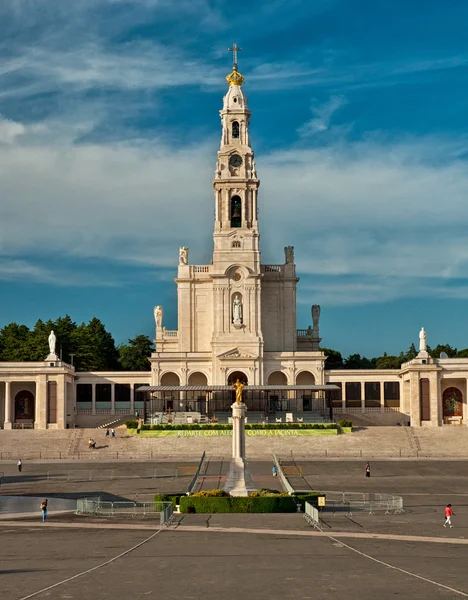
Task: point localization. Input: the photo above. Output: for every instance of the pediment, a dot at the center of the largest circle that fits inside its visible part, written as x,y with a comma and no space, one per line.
236,353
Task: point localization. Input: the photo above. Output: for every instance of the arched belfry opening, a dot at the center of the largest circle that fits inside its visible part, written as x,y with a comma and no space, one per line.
236,211
235,130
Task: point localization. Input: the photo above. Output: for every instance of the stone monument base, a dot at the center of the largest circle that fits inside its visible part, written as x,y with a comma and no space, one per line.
52,358
239,482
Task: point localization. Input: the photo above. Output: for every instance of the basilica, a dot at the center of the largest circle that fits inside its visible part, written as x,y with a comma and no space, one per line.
236,321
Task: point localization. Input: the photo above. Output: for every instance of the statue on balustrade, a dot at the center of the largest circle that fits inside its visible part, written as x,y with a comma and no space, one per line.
183,255
289,255
158,315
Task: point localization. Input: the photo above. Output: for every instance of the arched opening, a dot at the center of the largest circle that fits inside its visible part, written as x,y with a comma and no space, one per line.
169,397
452,402
196,401
24,406
305,378
237,375
236,211
235,130
278,399
236,244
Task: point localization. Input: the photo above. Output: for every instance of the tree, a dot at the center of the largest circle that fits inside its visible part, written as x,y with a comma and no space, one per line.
449,351
94,347
37,344
388,362
134,356
411,353
334,359
14,343
354,361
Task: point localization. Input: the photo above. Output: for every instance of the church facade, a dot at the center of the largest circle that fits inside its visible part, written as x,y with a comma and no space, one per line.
236,320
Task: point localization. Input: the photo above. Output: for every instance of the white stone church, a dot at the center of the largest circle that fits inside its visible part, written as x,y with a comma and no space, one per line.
236,320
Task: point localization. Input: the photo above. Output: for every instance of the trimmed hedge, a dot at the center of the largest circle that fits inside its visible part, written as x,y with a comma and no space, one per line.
345,423
228,427
174,498
265,504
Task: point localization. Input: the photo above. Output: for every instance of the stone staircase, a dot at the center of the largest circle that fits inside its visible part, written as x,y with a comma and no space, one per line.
366,443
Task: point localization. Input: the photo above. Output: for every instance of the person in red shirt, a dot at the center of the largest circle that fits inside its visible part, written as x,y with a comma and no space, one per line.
448,513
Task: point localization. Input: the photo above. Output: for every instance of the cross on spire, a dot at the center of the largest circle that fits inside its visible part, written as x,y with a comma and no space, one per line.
235,49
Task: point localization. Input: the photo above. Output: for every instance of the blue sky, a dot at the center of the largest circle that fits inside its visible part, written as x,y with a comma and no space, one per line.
109,130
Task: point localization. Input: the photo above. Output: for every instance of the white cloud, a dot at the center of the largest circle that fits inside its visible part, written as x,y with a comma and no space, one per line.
322,116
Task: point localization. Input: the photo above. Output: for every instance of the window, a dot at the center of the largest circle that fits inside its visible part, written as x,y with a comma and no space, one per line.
335,395
236,244
236,211
372,393
353,394
392,394
235,130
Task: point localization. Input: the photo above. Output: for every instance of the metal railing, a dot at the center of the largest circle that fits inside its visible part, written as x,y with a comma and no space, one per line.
104,508
356,501
193,482
282,477
311,515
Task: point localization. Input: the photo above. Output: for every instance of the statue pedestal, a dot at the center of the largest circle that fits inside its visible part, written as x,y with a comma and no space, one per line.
239,481
52,358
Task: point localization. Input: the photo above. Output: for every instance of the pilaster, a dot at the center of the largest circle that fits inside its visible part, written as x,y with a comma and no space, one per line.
41,402
7,423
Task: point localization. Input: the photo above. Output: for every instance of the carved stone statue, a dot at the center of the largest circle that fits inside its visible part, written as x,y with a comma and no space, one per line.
254,170
315,315
158,315
237,310
289,254
422,340
239,387
52,342
183,255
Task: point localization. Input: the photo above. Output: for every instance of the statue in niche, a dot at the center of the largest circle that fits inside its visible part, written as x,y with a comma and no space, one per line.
183,255
289,254
422,340
237,310
158,315
52,342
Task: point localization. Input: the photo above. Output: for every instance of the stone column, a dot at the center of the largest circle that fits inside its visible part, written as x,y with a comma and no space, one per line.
238,481
41,403
132,398
7,424
363,396
61,402
112,398
382,396
414,400
93,398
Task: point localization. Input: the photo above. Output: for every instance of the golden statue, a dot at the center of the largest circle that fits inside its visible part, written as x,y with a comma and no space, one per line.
239,387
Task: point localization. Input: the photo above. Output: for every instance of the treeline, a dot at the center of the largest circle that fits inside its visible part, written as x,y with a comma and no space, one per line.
386,361
88,346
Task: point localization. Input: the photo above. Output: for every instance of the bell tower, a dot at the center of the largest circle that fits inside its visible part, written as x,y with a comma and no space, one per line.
236,235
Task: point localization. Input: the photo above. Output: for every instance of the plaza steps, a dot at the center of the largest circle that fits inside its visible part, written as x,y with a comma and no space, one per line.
365,443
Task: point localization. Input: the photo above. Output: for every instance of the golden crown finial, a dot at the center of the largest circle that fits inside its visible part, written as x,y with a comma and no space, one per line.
235,78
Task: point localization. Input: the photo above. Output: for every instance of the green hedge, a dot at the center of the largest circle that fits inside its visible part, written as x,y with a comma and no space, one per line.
265,504
132,424
228,427
174,498
345,423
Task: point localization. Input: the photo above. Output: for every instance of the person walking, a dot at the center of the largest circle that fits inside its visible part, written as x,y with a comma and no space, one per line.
113,432
448,515
107,432
44,509
19,464
274,471
368,470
